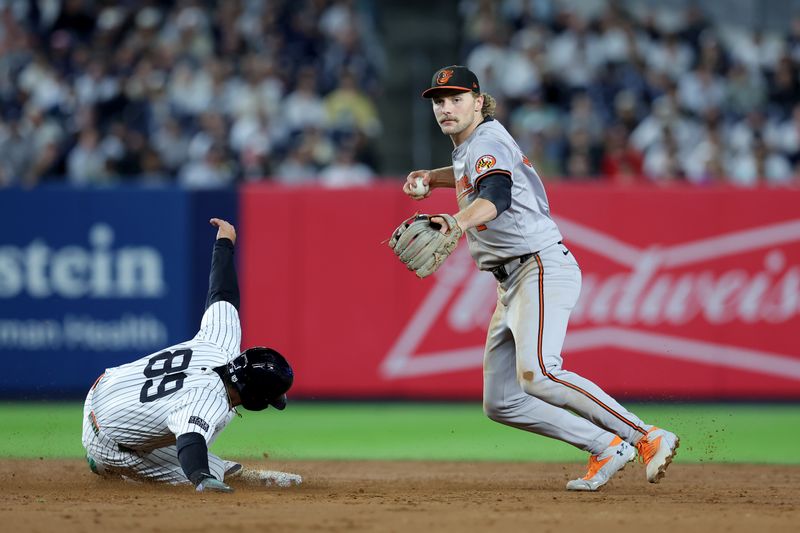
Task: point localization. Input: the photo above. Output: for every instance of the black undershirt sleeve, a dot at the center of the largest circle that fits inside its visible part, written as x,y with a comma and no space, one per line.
497,189
193,456
223,285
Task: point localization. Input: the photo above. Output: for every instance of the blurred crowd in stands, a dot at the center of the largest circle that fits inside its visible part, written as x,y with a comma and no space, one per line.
207,93
197,92
601,91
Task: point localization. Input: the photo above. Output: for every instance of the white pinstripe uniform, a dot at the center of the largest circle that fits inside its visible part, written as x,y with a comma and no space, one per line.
524,384
134,412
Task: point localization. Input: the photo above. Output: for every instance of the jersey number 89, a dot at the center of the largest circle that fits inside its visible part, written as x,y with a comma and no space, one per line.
173,375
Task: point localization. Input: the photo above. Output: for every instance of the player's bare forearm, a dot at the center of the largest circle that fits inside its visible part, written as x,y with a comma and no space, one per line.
442,177
478,212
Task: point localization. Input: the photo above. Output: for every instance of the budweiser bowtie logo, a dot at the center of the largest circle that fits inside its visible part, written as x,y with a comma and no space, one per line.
655,296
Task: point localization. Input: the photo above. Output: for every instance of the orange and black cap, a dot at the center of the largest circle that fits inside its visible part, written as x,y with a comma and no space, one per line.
452,78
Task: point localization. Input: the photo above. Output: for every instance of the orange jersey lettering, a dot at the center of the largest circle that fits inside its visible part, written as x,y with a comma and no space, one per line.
463,186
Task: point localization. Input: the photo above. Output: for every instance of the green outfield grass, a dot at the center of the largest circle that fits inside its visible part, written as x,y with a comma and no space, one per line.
438,431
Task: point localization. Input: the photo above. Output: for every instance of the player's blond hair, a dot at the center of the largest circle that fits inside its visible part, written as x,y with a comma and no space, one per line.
489,104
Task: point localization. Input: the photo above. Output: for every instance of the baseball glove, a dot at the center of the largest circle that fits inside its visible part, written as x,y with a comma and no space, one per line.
419,244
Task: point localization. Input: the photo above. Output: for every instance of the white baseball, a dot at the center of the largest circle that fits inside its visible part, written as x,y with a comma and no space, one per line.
418,188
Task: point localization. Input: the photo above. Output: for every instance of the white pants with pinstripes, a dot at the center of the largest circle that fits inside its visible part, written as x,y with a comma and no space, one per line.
524,384
160,465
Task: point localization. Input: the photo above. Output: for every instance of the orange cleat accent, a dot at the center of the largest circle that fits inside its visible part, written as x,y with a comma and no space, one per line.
604,465
657,449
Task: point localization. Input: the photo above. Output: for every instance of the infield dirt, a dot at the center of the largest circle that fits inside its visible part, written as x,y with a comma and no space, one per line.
64,497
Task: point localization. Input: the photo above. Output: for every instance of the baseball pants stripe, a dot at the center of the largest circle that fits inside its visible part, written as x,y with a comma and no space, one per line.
550,376
505,401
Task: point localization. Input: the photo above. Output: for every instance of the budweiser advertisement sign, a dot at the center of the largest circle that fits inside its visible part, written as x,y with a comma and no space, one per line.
687,293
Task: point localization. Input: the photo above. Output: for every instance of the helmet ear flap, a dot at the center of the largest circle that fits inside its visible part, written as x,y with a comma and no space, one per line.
279,403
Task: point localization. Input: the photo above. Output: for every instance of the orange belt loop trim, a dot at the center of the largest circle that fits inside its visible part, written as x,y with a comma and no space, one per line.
551,376
93,422
97,380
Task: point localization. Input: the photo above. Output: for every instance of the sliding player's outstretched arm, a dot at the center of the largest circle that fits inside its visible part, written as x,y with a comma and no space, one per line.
220,323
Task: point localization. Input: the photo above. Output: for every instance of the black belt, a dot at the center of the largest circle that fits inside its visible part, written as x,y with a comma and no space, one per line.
501,273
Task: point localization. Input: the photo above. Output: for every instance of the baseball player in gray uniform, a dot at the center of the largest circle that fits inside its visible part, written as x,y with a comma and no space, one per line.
154,418
504,211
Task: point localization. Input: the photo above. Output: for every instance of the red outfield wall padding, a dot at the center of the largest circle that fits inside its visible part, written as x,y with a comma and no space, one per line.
687,293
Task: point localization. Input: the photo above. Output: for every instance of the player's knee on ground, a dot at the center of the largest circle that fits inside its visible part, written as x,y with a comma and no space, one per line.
96,466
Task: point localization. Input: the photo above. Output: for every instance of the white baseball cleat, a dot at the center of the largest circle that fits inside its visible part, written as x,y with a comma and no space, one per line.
604,465
232,469
656,450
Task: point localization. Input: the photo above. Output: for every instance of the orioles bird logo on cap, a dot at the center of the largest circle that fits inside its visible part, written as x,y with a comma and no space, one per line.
444,76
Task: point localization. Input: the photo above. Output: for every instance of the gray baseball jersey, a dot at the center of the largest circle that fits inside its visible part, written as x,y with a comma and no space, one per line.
141,407
526,226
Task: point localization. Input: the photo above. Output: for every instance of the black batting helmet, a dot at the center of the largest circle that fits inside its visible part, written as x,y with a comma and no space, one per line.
261,376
